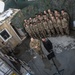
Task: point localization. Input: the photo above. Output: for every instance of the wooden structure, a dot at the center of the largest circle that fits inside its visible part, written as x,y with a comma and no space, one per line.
7,33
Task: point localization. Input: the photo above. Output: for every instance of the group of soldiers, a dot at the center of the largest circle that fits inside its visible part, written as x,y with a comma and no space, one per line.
47,24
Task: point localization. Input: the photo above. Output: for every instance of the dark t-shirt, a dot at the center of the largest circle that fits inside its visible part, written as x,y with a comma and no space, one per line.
48,45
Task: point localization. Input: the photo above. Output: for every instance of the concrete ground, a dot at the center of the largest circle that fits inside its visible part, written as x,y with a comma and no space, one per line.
64,48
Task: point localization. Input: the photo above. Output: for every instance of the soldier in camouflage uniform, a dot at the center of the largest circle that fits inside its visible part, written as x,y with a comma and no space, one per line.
37,30
55,24
45,25
35,44
34,20
27,28
50,25
40,18
56,14
30,20
65,25
41,30
65,15
46,14
32,30
25,22
45,17
59,24
50,13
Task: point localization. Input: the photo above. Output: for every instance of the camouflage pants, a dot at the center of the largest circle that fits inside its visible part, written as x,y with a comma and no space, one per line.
34,35
57,30
38,35
66,30
61,30
48,32
52,31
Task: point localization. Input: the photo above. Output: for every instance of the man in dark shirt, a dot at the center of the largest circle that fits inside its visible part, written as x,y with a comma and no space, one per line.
47,44
49,47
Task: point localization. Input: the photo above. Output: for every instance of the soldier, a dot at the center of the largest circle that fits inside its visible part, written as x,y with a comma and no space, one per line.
59,24
50,12
35,44
32,30
27,28
45,25
37,30
45,17
65,14
50,24
55,24
25,22
34,20
45,13
41,29
65,25
56,14
40,18
30,20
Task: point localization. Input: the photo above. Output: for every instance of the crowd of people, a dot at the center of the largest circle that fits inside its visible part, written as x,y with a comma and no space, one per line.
48,23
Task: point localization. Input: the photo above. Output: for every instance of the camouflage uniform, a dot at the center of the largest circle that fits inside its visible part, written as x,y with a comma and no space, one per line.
32,30
27,28
37,43
36,30
49,11
30,20
56,14
45,17
50,24
59,24
45,25
45,12
40,18
55,24
41,30
34,20
25,23
50,14
65,26
65,15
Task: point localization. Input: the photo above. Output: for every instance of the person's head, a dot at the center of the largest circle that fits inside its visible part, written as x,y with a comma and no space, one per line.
49,11
28,21
30,18
45,12
30,24
62,11
57,18
43,39
32,39
26,25
55,11
25,20
52,18
39,16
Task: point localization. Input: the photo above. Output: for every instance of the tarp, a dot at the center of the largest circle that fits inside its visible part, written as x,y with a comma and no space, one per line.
2,5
